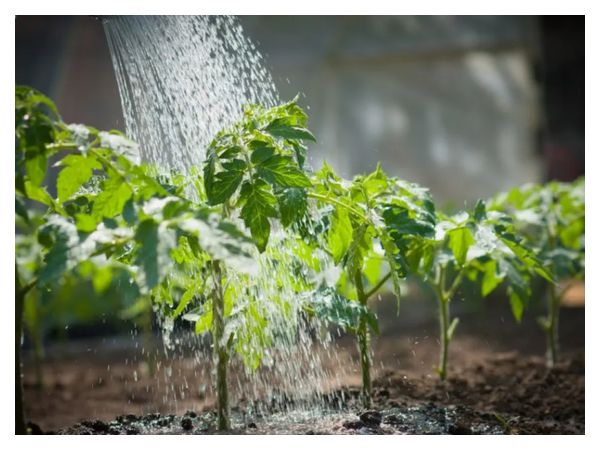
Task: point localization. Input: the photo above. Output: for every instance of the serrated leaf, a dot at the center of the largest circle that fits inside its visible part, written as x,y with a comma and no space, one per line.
333,307
110,202
339,236
259,205
261,151
223,184
78,170
292,205
282,171
281,128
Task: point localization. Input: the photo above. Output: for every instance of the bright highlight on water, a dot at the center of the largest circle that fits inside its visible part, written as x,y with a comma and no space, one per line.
182,79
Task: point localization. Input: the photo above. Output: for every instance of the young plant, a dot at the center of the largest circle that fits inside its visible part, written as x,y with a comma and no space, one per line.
112,222
481,246
551,217
253,172
359,220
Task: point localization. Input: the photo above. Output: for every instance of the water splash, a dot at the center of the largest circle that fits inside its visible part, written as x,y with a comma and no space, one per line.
182,79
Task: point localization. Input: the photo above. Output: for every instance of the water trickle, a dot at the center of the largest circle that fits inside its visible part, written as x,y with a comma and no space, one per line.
182,79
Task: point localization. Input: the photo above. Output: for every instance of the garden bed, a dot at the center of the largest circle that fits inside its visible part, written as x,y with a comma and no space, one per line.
498,383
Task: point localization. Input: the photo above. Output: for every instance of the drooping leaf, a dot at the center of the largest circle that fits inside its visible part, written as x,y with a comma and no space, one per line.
339,236
259,206
292,205
225,183
153,254
490,278
36,165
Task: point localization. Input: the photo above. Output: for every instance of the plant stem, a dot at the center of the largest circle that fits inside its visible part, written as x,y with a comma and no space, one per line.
20,427
378,285
363,343
552,329
334,201
220,352
38,356
444,310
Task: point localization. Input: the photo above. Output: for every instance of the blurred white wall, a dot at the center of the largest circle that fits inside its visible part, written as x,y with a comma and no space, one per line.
449,102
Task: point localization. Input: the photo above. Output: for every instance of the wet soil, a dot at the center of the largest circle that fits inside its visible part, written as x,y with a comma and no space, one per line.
498,383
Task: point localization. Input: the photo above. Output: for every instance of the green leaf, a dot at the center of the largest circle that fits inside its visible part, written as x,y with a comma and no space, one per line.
259,205
36,168
479,212
282,171
339,236
517,304
490,278
102,279
21,209
110,202
78,170
333,307
281,128
38,194
60,236
129,212
292,205
85,222
186,298
153,253
204,322
459,241
225,183
261,151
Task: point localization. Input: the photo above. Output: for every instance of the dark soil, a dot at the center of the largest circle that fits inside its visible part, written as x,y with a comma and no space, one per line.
498,383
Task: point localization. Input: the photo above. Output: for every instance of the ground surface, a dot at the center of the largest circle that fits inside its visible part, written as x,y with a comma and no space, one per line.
498,383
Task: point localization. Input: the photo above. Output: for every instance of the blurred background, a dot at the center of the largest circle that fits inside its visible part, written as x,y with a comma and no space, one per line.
440,100
467,106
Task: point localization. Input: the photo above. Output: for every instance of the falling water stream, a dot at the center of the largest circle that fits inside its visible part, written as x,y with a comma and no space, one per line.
182,79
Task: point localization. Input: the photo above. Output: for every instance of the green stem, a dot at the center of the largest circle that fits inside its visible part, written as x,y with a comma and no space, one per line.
378,285
38,356
444,311
20,427
552,329
220,352
334,201
446,327
363,343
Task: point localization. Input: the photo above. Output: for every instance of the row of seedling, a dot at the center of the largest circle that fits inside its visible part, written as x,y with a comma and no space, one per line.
189,243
